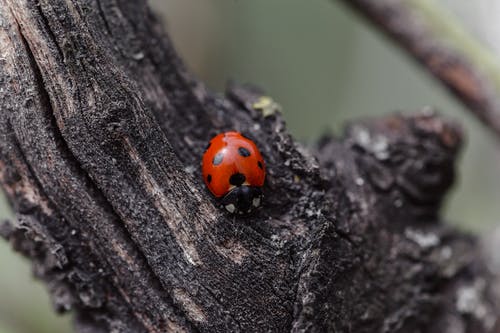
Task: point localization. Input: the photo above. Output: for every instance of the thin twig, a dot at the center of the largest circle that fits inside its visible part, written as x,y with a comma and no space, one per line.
458,73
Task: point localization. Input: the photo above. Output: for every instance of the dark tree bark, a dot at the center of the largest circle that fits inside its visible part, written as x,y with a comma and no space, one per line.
102,134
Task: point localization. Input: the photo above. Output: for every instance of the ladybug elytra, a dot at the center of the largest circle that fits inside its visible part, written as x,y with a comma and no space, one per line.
234,169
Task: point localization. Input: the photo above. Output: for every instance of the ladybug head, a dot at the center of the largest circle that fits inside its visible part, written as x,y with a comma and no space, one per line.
242,199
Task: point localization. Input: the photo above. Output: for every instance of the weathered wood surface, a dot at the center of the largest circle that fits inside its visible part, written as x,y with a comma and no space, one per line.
102,134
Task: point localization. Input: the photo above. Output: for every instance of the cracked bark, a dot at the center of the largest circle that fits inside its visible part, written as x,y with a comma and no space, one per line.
102,133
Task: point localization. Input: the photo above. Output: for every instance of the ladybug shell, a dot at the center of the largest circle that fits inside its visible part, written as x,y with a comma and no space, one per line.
232,160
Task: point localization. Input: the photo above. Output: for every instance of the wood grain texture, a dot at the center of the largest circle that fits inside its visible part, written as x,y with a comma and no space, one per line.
102,135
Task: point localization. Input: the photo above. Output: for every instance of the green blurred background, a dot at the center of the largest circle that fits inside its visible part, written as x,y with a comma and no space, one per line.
324,66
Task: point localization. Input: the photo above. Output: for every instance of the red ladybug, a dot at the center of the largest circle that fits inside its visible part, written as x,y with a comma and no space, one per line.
233,168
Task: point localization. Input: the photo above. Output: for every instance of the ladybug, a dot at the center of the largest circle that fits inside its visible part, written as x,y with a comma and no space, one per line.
234,170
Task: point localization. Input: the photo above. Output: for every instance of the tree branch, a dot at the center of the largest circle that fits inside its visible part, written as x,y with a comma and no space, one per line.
455,68
102,134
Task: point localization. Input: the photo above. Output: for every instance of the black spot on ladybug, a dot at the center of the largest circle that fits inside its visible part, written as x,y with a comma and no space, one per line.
243,152
259,164
237,179
209,179
218,159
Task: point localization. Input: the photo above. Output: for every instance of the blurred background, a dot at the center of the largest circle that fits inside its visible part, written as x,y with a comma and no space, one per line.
324,66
